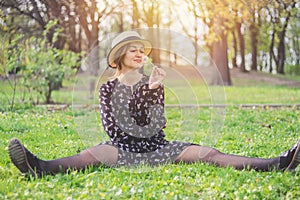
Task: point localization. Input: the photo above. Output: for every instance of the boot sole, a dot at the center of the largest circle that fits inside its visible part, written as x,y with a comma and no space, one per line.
296,158
18,156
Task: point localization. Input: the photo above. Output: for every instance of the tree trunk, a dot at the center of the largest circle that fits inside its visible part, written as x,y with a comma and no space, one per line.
242,46
154,36
271,52
155,40
281,53
253,38
296,48
135,15
281,45
93,60
220,58
73,45
196,41
280,61
48,94
234,64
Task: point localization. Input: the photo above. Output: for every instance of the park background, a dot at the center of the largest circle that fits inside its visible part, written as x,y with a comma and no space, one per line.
46,47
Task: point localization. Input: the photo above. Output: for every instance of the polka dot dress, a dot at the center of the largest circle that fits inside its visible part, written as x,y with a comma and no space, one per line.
133,117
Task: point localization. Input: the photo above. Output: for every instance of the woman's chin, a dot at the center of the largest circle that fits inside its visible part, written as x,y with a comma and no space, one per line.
137,66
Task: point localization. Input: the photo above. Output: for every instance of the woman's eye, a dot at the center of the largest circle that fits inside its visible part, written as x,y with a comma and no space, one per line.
137,50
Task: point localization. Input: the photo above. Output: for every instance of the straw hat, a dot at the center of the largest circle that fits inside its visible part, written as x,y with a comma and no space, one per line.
123,39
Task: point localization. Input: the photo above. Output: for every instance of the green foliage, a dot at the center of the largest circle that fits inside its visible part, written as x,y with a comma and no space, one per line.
3,55
12,53
41,66
46,69
292,70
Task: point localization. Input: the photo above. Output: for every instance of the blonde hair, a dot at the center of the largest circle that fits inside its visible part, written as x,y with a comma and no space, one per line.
118,59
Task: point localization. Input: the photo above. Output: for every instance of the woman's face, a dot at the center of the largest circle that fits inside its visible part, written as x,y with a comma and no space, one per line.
133,58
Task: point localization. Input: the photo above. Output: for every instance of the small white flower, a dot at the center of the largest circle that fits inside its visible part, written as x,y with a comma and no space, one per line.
145,58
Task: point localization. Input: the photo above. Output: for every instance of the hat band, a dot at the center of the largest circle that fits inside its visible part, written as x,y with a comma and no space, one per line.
131,38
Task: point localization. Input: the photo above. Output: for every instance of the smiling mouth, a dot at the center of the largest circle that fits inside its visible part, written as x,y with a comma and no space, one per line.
138,61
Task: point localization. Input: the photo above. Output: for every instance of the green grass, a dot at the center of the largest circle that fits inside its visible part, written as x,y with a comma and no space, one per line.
195,92
245,132
176,91
259,132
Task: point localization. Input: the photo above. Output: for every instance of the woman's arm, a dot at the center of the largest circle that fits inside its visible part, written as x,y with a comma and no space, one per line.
107,118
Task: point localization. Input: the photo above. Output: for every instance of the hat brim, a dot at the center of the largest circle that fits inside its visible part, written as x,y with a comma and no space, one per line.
110,58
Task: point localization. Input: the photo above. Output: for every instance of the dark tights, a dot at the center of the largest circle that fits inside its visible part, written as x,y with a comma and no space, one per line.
196,153
97,155
108,155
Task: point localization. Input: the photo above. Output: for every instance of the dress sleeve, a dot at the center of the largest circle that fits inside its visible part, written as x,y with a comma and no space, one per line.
153,96
107,118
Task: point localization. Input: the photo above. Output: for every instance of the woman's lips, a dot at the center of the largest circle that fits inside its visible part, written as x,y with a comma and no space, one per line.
138,60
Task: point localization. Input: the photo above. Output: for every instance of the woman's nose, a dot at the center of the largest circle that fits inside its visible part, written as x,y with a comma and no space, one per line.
139,53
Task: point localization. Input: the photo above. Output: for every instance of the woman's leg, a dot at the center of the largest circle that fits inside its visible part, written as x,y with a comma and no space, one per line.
196,153
25,161
101,154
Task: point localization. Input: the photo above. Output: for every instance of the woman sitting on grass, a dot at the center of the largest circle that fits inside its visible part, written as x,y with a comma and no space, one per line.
132,113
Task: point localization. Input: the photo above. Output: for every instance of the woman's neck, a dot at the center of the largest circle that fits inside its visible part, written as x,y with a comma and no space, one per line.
130,77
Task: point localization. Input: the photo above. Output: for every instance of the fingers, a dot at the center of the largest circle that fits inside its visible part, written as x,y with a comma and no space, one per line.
158,71
161,72
156,77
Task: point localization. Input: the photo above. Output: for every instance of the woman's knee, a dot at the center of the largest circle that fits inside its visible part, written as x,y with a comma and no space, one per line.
196,153
206,153
104,153
188,155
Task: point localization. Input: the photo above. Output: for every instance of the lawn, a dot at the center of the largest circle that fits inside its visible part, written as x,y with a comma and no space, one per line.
256,131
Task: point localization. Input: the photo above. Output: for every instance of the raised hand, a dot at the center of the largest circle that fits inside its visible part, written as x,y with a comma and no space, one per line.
156,77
